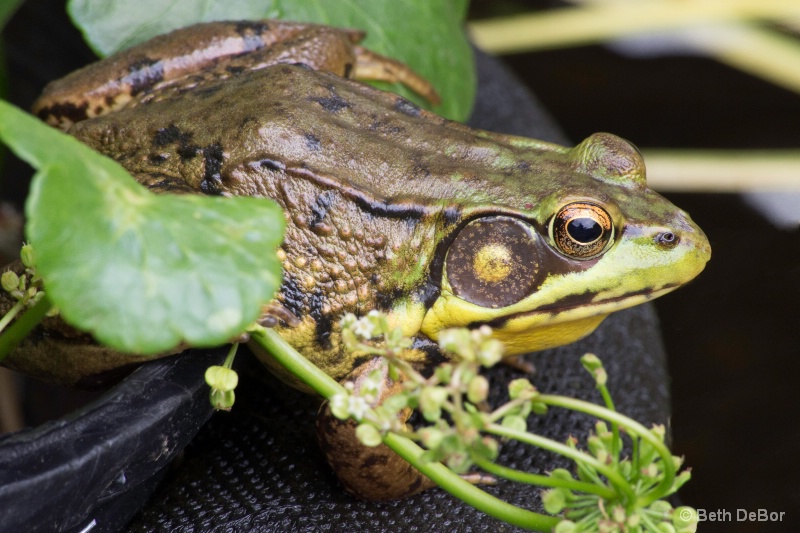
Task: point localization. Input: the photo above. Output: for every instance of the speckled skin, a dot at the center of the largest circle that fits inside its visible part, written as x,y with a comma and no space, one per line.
375,190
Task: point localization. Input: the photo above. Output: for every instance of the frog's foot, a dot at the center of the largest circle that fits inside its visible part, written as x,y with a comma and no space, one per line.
373,473
375,67
274,314
370,473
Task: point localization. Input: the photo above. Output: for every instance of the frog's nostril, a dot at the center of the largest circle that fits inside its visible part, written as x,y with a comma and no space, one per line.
667,239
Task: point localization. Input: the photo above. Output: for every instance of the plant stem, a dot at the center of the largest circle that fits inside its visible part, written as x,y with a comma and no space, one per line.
24,324
631,426
8,317
452,483
542,481
616,442
467,492
231,355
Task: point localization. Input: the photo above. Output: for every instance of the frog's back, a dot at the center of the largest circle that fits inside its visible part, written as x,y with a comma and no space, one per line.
226,137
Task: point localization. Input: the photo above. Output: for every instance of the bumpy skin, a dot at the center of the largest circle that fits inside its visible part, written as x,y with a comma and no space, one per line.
387,206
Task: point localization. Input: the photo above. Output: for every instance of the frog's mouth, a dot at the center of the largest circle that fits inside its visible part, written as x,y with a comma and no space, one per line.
562,311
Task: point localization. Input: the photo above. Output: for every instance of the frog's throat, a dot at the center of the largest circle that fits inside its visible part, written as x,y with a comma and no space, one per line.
537,330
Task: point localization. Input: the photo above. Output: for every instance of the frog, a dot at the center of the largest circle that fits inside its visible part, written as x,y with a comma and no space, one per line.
387,206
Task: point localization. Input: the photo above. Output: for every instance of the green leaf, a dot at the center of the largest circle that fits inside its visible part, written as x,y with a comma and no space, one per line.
427,35
7,9
142,272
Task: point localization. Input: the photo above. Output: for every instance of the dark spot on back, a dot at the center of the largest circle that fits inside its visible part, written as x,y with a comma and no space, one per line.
251,33
188,151
332,104
427,293
235,70
67,110
212,179
312,142
321,206
324,327
386,300
407,107
169,135
156,159
257,27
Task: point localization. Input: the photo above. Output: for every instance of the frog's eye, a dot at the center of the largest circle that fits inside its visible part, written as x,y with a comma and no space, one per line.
581,230
493,261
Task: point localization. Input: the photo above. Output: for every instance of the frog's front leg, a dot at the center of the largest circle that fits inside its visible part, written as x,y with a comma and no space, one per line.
370,473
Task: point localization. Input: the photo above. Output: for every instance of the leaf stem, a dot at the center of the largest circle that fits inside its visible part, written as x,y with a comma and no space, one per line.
631,426
24,324
614,477
543,481
8,317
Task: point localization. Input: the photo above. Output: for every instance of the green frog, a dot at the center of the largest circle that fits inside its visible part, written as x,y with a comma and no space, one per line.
387,206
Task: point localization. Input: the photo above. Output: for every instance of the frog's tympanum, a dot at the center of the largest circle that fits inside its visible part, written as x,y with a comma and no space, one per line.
387,206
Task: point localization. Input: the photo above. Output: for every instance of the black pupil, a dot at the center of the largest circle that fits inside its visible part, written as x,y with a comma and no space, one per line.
584,230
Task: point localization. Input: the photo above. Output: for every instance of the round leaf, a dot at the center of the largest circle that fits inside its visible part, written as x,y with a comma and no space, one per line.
143,273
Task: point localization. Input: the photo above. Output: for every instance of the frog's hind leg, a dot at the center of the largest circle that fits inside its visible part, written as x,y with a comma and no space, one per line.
369,473
375,67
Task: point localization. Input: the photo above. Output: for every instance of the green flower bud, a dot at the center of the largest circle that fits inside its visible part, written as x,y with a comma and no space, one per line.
554,500
488,448
222,400
490,352
26,254
457,341
650,471
566,526
661,507
459,462
478,389
430,402
368,435
561,473
595,445
9,281
600,377
395,403
221,378
539,408
431,437
618,514
515,422
680,479
444,373
518,387
685,518
664,527
591,362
